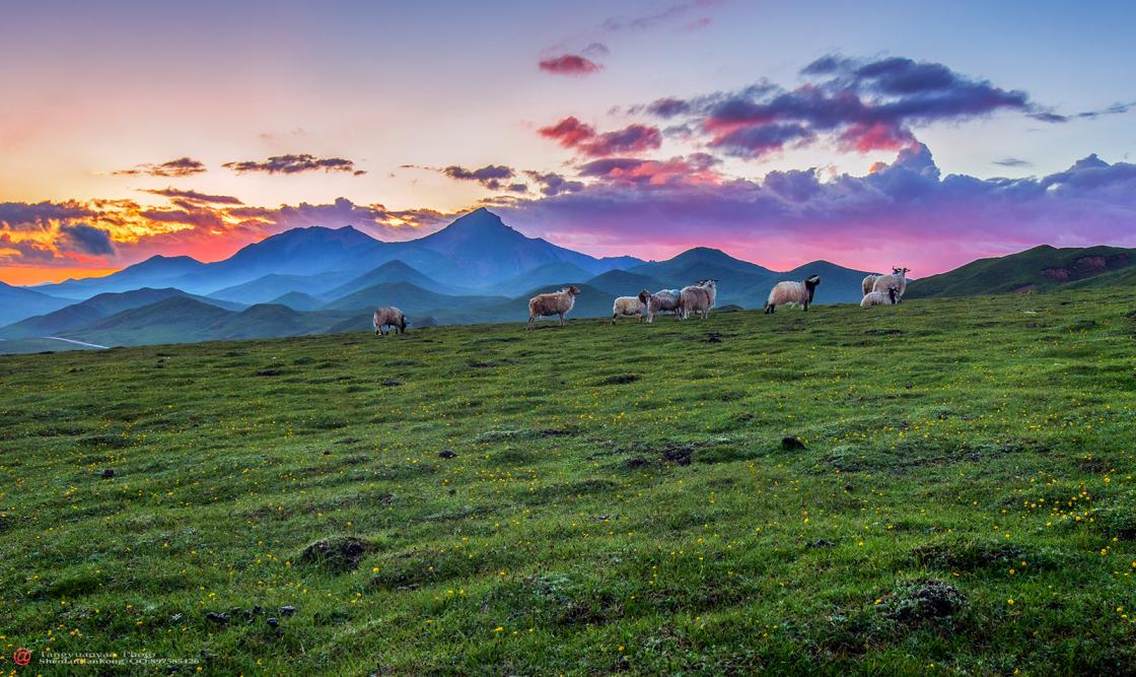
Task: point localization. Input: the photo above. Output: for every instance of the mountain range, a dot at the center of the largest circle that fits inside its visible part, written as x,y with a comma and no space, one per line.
477,269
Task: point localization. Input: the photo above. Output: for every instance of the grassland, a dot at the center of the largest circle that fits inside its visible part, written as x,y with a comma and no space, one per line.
611,498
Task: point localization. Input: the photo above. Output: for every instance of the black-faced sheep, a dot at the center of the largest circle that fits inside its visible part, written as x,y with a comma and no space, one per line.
795,293
879,298
389,317
628,306
897,279
555,303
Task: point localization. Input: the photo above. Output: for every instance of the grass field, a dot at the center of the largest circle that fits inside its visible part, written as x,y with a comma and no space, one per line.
617,498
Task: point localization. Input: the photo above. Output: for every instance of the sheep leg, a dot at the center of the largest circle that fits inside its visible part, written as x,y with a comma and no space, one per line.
561,319
530,325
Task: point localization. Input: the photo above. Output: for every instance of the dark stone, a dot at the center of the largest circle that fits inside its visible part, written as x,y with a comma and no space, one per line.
792,443
391,382
273,622
447,453
287,610
217,617
107,474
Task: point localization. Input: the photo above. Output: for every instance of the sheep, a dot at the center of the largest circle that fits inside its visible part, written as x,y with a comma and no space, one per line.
663,301
795,293
555,303
869,283
878,298
897,279
630,305
698,298
389,317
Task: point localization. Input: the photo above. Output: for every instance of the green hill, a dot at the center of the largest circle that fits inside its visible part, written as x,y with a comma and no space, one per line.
87,313
177,319
1038,269
265,289
298,301
391,272
411,299
622,283
954,496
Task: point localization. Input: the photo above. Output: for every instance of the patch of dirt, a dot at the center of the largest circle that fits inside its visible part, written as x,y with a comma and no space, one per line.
916,602
679,454
617,379
337,554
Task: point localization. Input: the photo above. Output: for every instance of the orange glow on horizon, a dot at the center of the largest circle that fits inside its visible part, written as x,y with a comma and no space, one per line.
29,275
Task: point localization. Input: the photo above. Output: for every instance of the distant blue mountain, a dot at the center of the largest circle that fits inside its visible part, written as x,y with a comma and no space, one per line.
156,271
18,303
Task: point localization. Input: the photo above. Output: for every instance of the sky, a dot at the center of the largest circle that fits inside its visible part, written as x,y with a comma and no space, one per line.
871,134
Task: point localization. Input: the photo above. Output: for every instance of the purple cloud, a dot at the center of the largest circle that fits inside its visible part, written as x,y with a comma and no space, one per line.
193,196
182,166
88,239
295,164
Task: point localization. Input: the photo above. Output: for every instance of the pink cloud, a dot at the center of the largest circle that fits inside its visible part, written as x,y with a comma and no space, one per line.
570,64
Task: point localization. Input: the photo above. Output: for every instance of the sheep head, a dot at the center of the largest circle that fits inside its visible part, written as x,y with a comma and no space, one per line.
644,295
573,290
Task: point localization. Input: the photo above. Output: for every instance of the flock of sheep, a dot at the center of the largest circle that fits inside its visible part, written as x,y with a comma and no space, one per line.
696,299
884,290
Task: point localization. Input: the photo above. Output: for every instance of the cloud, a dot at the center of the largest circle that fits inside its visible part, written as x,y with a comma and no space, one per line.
193,196
40,215
857,105
295,164
571,133
88,239
552,183
904,211
182,166
1051,116
664,16
1013,162
694,169
570,64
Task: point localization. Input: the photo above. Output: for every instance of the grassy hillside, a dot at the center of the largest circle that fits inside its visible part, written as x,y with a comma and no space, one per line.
1038,269
590,499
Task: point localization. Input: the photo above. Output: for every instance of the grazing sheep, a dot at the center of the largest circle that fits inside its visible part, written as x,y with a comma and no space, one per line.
897,279
630,305
555,303
794,293
389,317
698,299
663,301
878,298
869,283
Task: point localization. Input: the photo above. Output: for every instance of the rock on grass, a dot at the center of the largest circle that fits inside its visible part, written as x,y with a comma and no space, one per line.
336,554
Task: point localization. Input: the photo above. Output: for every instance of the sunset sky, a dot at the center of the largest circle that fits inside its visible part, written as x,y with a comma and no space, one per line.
869,134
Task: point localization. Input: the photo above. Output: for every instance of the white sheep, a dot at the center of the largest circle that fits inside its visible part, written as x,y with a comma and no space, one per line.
555,303
879,298
698,298
627,306
663,301
897,279
792,293
869,283
391,317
